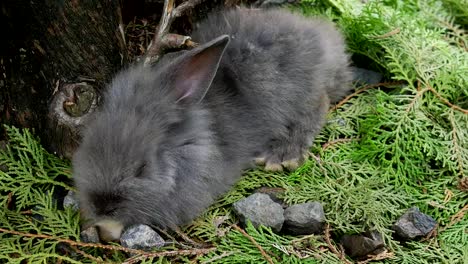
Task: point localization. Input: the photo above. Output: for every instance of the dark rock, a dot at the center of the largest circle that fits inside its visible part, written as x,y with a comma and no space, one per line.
273,193
414,224
304,219
71,200
141,237
361,245
90,235
363,76
260,209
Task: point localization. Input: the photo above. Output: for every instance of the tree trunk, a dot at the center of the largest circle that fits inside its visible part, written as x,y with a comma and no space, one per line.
55,58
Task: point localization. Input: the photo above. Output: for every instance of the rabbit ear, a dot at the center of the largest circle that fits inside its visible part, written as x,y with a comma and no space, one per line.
195,71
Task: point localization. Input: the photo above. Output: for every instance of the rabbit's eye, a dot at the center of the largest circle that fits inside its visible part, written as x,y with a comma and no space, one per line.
139,173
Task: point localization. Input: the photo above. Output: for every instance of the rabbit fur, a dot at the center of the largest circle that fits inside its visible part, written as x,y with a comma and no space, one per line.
171,138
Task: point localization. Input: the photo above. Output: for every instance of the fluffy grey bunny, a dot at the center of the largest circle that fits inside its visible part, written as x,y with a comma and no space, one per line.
171,138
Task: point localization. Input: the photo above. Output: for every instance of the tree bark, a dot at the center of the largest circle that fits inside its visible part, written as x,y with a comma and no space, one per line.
55,59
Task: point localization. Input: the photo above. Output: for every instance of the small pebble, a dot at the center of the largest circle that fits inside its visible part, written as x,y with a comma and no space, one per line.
363,244
71,200
141,237
414,224
260,209
90,235
304,219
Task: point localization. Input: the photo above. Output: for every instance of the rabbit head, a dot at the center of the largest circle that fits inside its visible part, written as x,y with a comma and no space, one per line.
125,167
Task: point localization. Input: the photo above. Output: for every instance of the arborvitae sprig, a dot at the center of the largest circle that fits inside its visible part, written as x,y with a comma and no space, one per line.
30,170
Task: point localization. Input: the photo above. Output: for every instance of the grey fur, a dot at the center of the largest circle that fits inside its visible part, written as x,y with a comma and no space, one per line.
163,148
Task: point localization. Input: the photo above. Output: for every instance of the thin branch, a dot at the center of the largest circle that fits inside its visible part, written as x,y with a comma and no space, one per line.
86,255
262,251
184,7
445,101
365,88
388,34
415,99
332,248
383,255
162,40
184,252
223,255
455,144
458,216
337,141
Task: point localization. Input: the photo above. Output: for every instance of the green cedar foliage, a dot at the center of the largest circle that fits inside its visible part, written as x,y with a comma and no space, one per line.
384,150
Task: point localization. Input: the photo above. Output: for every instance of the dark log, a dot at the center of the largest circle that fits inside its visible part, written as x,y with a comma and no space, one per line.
56,58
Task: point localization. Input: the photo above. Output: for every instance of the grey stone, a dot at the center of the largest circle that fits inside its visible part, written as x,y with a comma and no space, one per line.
71,200
361,245
414,224
260,209
273,193
141,237
304,219
364,76
90,235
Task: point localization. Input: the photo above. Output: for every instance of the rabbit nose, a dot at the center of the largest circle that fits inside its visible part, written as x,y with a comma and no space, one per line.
109,230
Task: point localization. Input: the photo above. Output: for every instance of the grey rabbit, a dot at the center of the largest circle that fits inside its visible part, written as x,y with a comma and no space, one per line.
171,138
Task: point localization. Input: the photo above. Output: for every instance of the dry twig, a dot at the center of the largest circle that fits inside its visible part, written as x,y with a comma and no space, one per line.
142,253
162,40
336,141
332,248
445,101
383,255
262,251
388,34
86,255
365,88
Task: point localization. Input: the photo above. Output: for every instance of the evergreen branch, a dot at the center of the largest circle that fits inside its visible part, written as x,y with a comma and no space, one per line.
337,141
262,251
456,147
86,255
365,88
332,248
445,101
43,256
388,34
458,216
381,256
143,253
223,255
